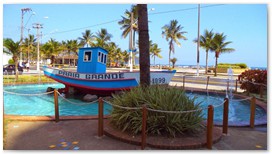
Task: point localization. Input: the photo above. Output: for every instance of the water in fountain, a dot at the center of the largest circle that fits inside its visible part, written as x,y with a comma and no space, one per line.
229,84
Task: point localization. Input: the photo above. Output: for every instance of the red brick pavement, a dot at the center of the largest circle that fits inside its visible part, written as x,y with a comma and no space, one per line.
185,142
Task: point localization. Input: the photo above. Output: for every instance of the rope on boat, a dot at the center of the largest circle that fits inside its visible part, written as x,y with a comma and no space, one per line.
80,104
28,94
122,107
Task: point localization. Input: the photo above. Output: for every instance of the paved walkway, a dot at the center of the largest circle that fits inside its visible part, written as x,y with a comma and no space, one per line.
82,135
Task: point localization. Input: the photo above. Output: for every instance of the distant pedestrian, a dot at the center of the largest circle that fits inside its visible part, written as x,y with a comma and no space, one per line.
27,66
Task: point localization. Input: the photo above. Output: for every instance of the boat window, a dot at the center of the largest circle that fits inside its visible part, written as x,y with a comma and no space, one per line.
88,56
99,57
105,59
102,57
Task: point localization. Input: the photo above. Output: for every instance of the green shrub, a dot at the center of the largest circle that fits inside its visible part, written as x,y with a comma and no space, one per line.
223,63
241,65
160,98
234,66
228,66
11,61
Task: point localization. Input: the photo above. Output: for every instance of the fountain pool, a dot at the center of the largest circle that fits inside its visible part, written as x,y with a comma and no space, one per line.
43,105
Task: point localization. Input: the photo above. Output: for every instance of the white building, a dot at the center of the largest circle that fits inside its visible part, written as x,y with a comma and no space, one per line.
6,58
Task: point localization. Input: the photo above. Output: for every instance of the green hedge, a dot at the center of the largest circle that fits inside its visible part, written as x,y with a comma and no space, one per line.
228,66
225,70
242,65
236,65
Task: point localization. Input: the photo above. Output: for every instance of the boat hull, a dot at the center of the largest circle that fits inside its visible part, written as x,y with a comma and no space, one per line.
104,83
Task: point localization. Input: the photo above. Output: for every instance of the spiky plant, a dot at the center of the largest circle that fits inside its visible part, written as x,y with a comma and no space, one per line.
158,123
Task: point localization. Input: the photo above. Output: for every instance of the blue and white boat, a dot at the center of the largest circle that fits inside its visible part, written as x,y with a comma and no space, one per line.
91,74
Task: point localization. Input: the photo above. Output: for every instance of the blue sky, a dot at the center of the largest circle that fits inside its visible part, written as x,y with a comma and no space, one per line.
244,24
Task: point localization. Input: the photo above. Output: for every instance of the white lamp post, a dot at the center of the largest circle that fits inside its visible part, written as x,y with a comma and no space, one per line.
24,10
198,41
38,26
130,42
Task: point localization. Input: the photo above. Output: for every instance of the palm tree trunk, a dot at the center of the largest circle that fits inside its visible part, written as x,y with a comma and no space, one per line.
133,45
170,50
154,61
206,71
215,70
16,69
169,57
69,57
144,45
170,47
216,59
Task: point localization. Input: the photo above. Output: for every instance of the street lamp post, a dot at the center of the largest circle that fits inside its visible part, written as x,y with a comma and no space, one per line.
130,42
28,47
24,10
28,29
198,40
38,26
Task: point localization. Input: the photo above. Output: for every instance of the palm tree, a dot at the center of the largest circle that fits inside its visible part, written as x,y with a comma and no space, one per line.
206,43
219,46
144,45
125,56
118,56
112,48
102,38
28,45
126,21
174,60
75,46
154,50
51,49
173,32
67,46
12,48
87,38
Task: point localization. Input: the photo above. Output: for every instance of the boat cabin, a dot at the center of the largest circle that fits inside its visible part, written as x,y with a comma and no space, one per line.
92,60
